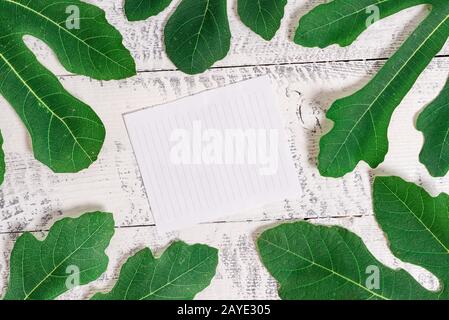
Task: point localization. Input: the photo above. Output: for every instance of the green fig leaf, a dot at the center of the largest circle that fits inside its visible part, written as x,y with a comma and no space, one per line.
262,16
197,35
416,225
180,273
434,124
42,270
330,263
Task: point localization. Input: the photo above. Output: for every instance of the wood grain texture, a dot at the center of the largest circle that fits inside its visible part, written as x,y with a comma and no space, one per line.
307,82
32,194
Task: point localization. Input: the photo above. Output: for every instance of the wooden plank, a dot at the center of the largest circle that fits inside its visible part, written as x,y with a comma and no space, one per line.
145,39
32,195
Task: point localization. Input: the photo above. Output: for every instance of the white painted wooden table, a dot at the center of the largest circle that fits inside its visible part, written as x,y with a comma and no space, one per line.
307,80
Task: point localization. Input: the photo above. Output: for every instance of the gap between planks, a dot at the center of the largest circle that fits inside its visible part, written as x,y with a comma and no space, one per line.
301,63
153,225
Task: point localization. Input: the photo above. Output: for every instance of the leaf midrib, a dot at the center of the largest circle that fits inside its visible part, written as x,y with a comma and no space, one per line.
199,34
62,261
416,217
45,105
385,88
261,14
344,16
68,32
173,280
326,269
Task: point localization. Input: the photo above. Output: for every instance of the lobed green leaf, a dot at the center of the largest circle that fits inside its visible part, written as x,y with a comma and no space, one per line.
73,248
434,124
180,273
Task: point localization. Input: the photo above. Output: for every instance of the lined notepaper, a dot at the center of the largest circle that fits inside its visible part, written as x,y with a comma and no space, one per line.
213,154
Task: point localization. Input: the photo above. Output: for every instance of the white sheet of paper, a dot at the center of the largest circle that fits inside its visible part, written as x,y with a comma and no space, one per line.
213,154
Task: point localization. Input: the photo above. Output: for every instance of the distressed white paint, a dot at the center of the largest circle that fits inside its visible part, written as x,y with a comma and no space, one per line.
307,82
